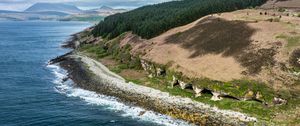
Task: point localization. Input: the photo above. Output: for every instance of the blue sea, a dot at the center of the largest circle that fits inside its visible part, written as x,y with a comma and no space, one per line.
32,93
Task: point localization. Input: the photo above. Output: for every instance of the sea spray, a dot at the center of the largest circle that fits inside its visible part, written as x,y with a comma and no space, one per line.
67,87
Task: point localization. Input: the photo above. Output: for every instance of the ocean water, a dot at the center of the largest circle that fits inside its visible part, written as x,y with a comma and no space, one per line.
32,92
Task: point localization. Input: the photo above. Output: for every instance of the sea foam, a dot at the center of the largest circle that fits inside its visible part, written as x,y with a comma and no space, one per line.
67,88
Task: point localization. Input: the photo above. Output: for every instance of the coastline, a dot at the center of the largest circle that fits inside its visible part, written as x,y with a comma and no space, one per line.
92,75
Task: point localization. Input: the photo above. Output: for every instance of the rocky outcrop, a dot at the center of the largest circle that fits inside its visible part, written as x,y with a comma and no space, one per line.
160,72
216,96
155,70
184,85
249,95
279,101
174,81
254,96
59,58
197,90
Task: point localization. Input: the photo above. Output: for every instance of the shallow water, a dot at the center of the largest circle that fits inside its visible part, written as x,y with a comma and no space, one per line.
32,93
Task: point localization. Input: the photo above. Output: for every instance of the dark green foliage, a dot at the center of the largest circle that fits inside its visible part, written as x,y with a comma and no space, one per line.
150,21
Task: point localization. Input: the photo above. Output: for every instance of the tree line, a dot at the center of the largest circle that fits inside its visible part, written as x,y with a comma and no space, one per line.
152,20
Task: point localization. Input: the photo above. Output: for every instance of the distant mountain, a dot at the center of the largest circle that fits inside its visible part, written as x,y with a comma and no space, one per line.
57,11
106,8
50,7
105,11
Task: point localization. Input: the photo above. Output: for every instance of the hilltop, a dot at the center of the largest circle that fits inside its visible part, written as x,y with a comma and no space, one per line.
105,11
58,7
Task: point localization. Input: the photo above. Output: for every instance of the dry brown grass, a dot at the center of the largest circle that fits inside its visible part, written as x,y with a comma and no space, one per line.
215,36
234,45
229,38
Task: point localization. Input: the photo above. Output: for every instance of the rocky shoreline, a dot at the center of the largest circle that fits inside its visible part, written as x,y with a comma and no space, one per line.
92,75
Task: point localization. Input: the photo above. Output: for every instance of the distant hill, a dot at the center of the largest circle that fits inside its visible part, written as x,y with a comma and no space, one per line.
105,8
105,11
58,7
20,16
61,12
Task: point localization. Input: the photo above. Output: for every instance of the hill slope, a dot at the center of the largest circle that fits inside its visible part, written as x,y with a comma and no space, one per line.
104,11
150,21
244,54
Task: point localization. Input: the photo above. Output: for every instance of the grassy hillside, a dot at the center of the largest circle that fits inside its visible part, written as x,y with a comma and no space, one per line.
150,21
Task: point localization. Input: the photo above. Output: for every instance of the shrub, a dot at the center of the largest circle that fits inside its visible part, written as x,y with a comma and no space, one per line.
281,10
276,19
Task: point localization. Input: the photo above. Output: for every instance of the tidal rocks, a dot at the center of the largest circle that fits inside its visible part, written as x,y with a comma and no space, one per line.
59,58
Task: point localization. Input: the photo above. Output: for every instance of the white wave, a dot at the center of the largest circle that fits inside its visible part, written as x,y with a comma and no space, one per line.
67,88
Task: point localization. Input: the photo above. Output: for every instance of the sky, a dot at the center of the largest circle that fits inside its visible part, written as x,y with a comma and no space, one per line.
20,5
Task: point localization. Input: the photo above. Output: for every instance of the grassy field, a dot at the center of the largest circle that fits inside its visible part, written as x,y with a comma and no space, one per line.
293,41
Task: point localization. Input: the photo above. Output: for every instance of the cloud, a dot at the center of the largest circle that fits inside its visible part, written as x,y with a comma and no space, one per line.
23,4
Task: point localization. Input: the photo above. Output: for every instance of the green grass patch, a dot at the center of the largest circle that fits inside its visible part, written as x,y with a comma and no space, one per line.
292,40
250,107
95,50
236,88
119,68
